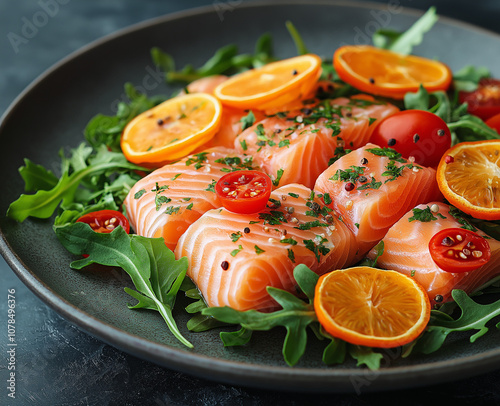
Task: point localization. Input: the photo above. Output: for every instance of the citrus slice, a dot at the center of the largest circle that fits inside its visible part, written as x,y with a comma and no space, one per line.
385,73
172,129
272,85
468,175
371,307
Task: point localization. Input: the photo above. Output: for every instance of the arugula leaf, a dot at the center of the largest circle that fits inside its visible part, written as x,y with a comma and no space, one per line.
107,130
467,78
36,177
365,356
403,43
379,249
472,128
297,39
295,316
474,317
43,203
225,60
155,272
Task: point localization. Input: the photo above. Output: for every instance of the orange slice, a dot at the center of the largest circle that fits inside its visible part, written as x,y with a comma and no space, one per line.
468,175
272,85
172,129
385,73
371,307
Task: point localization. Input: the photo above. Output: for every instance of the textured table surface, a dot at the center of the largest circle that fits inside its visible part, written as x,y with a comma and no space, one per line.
57,363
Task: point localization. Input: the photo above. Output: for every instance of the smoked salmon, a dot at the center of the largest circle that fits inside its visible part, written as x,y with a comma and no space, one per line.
406,250
168,200
295,147
234,257
372,188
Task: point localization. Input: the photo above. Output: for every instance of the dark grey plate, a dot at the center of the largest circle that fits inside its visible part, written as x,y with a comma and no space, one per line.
53,111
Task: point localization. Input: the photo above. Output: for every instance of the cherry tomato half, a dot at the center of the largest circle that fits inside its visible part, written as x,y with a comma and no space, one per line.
105,221
458,250
494,122
244,191
483,102
416,133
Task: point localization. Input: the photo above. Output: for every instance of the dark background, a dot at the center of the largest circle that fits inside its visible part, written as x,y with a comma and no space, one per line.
60,365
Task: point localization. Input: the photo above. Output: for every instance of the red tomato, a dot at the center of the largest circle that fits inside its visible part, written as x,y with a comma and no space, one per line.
458,250
105,221
483,102
494,122
416,133
244,191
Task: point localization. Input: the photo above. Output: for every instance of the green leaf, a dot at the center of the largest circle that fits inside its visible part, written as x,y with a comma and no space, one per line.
335,352
472,128
366,356
236,338
163,60
36,177
404,43
295,316
467,78
419,100
200,323
474,316
155,273
385,37
379,250
297,39
43,203
306,279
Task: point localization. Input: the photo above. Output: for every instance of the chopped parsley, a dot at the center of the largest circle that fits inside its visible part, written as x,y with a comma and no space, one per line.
279,175
371,185
236,251
197,160
236,236
258,250
317,249
247,121
293,195
211,186
189,206
288,241
176,176
139,193
327,199
459,216
311,224
274,218
284,143
243,144
291,255
172,209
424,215
349,175
387,152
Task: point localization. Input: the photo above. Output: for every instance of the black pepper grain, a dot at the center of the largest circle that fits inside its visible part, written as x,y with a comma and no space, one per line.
438,298
371,80
246,230
391,142
224,265
416,137
441,132
159,121
364,161
294,72
362,179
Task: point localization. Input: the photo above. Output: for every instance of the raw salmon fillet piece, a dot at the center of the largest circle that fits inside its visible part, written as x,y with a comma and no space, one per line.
168,200
299,144
383,191
406,250
234,257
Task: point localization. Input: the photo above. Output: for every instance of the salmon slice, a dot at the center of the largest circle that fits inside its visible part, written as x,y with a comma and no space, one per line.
168,200
230,127
406,250
234,257
297,146
383,190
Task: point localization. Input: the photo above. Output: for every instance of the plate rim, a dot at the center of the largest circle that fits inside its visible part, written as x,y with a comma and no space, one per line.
231,371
